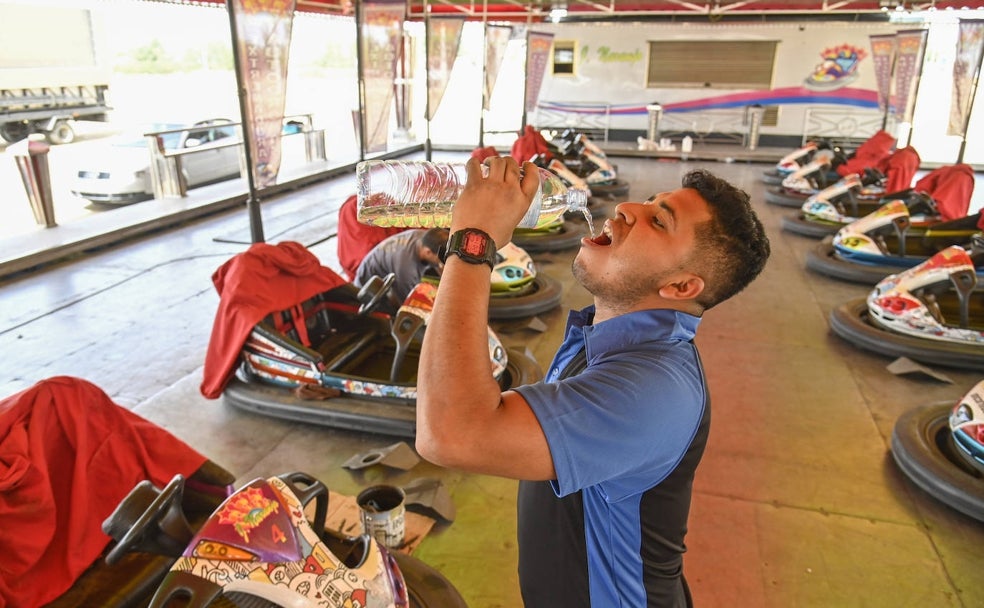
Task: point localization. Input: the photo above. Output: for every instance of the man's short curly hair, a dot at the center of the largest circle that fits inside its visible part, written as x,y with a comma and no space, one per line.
732,246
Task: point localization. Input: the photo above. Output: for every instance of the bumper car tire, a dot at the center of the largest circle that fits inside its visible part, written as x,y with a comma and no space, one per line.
617,188
823,259
568,236
772,178
850,322
427,587
798,224
541,295
922,446
784,198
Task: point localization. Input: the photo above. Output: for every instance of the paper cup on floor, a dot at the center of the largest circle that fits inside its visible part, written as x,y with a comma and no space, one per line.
383,514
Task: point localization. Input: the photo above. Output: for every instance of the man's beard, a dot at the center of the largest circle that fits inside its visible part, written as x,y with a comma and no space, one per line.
620,292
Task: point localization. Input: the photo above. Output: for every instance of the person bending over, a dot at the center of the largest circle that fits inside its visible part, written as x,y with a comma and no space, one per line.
408,255
606,446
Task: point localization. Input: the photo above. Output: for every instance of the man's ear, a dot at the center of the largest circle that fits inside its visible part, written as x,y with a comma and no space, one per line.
687,287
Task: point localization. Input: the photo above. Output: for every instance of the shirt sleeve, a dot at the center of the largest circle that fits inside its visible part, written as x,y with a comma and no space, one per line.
624,423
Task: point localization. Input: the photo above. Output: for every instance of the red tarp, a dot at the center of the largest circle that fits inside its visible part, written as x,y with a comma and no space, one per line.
899,168
528,145
356,239
868,154
68,457
951,187
261,280
486,152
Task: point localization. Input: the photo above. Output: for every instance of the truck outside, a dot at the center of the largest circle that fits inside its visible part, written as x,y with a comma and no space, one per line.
49,72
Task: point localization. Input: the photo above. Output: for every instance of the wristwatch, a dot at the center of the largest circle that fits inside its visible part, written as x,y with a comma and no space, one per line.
471,245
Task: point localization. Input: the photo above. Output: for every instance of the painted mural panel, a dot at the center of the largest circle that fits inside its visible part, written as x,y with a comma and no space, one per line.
817,65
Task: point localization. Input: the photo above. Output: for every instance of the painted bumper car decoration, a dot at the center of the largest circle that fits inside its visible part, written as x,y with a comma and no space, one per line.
838,68
259,549
913,302
933,313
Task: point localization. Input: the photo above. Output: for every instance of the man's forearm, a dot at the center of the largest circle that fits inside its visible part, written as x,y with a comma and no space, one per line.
455,387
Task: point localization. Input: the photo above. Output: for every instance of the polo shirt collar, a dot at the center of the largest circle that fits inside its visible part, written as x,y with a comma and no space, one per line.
632,328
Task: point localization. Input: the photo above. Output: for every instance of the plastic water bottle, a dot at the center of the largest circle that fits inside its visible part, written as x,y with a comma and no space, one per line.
421,194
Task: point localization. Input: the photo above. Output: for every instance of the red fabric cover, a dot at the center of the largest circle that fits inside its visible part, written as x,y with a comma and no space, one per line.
529,144
261,280
951,187
356,239
68,456
868,154
899,168
486,152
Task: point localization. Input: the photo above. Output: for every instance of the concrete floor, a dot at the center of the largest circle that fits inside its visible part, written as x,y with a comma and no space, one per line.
797,502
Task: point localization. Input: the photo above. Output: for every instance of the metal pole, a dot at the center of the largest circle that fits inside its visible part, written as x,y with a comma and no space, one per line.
970,106
526,76
485,76
360,61
401,86
427,80
252,200
655,112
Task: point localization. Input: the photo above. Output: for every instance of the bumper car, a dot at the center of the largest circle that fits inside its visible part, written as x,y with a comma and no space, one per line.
933,312
943,194
896,173
940,448
571,180
335,360
967,426
259,549
801,184
585,159
886,242
71,454
799,157
518,290
847,201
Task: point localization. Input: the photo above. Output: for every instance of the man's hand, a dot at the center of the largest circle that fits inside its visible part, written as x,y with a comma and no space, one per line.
498,202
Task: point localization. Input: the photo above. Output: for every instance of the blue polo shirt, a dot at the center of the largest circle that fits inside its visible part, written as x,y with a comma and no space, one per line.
625,435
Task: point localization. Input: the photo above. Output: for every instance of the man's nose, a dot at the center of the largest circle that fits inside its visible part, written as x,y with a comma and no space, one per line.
628,210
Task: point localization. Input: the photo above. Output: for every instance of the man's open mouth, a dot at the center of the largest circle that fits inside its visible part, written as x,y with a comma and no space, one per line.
604,238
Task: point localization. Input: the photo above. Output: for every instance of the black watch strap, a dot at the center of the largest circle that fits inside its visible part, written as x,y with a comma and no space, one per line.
471,245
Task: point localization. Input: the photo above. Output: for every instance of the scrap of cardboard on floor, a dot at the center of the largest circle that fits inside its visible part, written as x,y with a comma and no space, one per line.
903,366
398,456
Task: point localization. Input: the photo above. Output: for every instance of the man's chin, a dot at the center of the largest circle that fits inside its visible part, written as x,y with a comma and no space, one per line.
581,274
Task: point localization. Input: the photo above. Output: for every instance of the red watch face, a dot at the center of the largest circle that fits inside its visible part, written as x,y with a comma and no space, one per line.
474,244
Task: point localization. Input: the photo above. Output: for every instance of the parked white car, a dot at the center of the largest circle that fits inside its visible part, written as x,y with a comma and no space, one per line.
120,174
